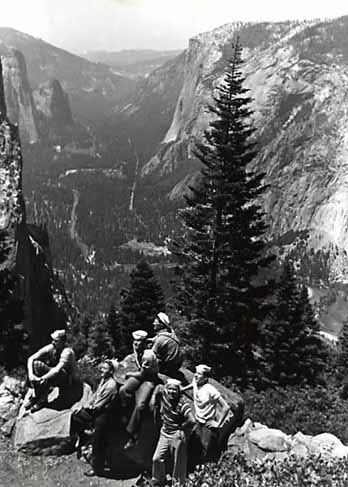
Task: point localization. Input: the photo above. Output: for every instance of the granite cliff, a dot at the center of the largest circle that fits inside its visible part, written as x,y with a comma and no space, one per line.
298,78
28,245
19,100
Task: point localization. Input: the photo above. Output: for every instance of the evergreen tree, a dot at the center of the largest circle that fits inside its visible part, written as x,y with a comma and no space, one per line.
13,338
223,249
293,351
99,340
117,333
342,352
140,303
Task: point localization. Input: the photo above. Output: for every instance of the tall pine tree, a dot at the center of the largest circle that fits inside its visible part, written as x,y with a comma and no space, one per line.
223,249
13,338
292,349
140,303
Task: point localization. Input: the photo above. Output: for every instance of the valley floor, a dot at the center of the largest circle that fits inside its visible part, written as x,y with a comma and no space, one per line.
19,470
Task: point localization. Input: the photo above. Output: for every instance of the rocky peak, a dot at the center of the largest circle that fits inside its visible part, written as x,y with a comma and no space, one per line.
53,103
18,95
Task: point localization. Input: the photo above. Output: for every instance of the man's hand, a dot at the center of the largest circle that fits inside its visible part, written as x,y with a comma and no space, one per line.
33,378
214,424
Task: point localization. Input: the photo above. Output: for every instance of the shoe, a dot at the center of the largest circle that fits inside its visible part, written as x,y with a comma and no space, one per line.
90,473
37,407
130,443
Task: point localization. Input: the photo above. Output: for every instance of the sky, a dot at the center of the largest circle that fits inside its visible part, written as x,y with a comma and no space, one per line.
81,25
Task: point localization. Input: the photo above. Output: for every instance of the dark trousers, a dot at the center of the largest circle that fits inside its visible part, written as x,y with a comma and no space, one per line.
86,418
143,392
102,425
41,391
203,445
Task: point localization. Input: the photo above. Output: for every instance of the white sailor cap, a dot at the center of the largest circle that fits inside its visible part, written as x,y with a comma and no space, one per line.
163,318
139,335
58,334
173,382
203,369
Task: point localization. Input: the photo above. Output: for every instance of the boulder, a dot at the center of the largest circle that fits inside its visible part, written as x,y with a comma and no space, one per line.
270,439
256,440
48,431
11,390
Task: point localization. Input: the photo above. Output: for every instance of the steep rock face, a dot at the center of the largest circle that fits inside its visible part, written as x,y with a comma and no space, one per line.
93,88
18,95
297,74
53,104
28,248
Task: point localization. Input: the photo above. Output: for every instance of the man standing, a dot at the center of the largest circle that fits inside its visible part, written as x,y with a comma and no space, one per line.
176,418
211,411
100,413
52,365
140,382
166,346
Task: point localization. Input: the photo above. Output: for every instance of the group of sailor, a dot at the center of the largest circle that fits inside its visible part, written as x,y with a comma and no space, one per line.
153,381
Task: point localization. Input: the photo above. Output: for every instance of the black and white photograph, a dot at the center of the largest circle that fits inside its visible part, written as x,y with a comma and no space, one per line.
173,243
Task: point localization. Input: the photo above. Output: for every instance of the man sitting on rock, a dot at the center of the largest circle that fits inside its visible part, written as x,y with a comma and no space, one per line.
140,382
100,412
166,346
52,365
204,445
177,420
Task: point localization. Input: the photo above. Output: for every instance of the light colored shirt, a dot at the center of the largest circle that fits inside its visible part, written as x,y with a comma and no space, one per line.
205,399
104,394
65,360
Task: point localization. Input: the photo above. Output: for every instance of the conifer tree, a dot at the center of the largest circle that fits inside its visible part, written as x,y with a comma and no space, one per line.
342,352
140,303
292,351
117,333
100,343
223,249
13,338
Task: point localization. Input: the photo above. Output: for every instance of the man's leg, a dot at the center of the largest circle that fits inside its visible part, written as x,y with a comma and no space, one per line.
209,441
158,462
101,427
179,453
142,398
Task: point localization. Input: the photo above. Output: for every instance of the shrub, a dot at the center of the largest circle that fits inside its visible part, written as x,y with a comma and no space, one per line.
312,410
236,471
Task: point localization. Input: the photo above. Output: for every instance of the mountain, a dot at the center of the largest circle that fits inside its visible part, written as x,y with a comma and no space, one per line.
297,75
20,104
133,62
93,88
143,160
27,246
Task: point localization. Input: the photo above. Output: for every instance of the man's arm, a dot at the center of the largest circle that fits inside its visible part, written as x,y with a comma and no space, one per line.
36,356
225,409
64,360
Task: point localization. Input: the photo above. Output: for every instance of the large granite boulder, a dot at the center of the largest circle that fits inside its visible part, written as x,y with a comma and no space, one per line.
256,440
48,431
11,391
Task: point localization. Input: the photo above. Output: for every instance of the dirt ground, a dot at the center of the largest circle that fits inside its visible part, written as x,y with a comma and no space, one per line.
20,470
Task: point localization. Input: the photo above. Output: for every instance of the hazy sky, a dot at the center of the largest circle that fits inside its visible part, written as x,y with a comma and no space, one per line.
79,25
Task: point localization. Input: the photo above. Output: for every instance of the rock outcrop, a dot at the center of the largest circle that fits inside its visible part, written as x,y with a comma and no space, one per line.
51,100
256,440
48,431
18,95
28,247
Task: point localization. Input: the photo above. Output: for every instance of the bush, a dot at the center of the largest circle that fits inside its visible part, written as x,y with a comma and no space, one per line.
293,472
312,410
